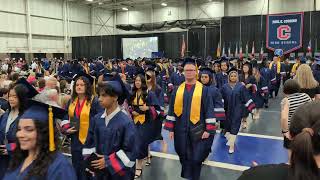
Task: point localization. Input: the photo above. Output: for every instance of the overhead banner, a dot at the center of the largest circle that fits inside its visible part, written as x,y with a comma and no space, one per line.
284,31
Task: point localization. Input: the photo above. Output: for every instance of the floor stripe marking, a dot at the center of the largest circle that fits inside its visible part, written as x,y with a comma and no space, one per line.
270,111
257,135
208,163
261,136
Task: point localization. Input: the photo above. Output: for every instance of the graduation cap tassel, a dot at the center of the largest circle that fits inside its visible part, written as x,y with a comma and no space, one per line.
51,131
197,70
94,86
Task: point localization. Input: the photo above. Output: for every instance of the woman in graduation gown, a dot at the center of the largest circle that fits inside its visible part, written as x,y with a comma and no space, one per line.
235,97
206,78
268,76
222,77
82,107
112,135
151,71
249,81
35,157
9,120
144,114
261,94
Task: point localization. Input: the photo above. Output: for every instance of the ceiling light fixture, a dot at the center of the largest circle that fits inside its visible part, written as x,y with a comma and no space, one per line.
89,0
100,3
164,4
125,9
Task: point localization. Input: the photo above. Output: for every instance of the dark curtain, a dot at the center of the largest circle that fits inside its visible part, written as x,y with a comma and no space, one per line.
58,55
230,30
18,55
173,42
39,55
253,29
109,46
212,40
196,40
203,42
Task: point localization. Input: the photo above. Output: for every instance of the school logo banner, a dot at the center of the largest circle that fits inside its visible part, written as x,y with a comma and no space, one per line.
284,31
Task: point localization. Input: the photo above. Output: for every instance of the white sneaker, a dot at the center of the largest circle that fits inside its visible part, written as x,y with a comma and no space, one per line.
231,149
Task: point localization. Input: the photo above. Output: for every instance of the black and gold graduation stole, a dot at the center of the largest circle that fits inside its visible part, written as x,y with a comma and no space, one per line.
138,101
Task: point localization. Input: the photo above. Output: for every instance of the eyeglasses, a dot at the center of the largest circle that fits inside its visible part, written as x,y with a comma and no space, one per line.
190,70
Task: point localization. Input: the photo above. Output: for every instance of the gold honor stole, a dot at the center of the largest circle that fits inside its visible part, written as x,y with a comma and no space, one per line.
295,67
141,117
278,66
195,103
84,118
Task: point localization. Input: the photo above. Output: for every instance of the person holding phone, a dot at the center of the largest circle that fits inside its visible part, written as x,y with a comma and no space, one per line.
9,120
82,107
143,103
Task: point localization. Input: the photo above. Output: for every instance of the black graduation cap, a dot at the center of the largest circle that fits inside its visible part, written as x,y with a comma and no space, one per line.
82,74
248,64
206,70
119,87
42,112
217,61
150,66
31,90
189,60
232,69
107,76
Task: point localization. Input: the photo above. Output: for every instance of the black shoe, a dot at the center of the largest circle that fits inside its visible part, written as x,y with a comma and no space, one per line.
266,106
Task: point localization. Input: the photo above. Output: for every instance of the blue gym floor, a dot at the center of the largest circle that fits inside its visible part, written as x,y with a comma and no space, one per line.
260,142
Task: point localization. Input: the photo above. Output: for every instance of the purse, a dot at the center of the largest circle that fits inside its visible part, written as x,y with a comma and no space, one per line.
197,132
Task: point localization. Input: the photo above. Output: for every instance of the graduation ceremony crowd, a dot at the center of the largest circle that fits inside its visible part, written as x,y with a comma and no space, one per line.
107,112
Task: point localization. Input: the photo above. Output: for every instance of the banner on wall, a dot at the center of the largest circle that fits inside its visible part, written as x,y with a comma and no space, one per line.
284,31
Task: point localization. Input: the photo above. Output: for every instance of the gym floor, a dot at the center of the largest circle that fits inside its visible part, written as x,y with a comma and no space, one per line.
260,142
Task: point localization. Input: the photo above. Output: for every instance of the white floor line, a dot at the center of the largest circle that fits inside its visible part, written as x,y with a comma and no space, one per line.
208,163
258,135
261,136
270,111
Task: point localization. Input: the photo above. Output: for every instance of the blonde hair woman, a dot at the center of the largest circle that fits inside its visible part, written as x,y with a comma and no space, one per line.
307,82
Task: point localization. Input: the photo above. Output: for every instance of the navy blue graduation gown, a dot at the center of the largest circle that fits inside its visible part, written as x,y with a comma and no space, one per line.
261,94
76,145
118,142
146,129
276,80
10,137
60,168
176,79
191,153
157,125
253,89
236,99
218,104
221,79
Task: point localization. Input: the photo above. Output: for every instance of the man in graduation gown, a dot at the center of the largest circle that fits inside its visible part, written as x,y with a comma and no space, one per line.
277,69
191,122
177,77
112,135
